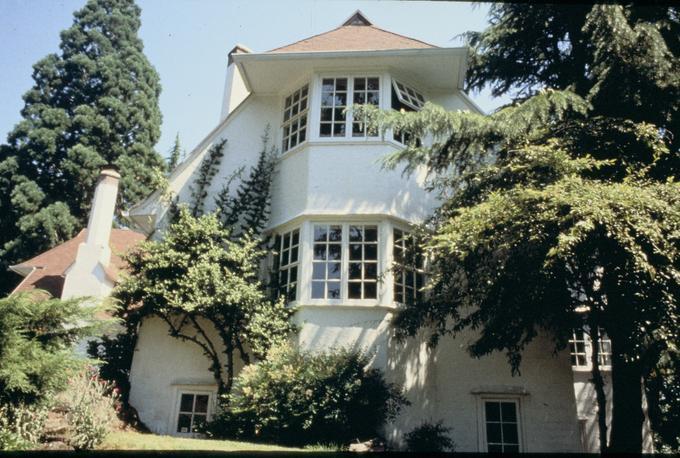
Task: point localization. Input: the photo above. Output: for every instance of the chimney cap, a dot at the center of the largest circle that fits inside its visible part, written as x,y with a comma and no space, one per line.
110,170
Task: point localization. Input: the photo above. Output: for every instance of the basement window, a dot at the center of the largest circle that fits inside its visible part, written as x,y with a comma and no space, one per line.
295,116
193,412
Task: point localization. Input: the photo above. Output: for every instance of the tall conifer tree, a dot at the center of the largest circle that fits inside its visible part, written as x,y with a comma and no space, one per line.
93,103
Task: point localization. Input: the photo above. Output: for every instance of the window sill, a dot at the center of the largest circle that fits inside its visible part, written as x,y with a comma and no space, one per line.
343,305
589,368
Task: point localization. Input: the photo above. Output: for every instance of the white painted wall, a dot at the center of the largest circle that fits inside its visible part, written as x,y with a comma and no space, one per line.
344,179
161,367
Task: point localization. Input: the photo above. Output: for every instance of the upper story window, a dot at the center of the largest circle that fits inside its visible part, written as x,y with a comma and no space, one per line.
407,96
295,112
406,99
288,247
335,94
581,349
408,272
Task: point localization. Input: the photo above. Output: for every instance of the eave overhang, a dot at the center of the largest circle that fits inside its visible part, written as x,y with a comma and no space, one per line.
439,69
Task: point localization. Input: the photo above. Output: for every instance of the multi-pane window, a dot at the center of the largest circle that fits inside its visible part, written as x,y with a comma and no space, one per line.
363,262
577,346
605,355
408,269
288,246
333,105
193,412
366,91
327,261
295,118
581,349
502,426
405,98
408,96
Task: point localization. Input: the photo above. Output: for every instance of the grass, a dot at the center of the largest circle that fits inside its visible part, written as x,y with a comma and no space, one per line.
133,440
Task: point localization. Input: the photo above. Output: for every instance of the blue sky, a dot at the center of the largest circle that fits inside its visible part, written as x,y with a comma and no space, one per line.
188,40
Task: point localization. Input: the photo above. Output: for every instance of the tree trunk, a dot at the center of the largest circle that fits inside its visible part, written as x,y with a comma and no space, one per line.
627,414
598,382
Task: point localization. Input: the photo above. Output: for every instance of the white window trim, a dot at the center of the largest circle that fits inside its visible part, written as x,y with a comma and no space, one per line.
297,263
589,354
481,419
210,390
308,257
314,133
290,120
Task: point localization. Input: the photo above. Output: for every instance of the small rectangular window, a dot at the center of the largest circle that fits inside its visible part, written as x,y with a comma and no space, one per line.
193,412
295,118
581,349
327,261
288,246
502,426
408,268
363,262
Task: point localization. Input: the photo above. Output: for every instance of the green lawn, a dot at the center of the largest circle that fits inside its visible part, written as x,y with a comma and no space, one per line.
132,440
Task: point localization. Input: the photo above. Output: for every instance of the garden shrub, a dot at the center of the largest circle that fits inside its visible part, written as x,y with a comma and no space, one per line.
429,437
301,398
21,426
90,404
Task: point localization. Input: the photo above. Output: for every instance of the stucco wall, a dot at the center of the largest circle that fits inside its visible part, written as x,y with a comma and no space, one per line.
163,366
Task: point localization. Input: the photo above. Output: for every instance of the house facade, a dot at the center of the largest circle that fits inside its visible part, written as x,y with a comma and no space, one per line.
341,221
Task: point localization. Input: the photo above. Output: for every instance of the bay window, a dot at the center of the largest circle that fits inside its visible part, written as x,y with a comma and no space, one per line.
408,269
345,261
295,118
288,248
336,94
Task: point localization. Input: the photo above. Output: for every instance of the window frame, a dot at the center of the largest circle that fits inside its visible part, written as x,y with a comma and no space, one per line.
482,421
416,273
278,266
604,356
407,106
344,269
178,405
349,119
294,119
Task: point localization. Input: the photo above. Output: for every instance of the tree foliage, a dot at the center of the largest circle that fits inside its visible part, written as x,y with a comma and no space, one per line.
564,201
93,103
37,337
200,281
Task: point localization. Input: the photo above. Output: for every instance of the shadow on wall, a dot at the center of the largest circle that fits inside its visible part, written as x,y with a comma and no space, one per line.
411,365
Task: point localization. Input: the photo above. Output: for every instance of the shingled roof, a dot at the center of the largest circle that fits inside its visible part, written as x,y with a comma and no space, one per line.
356,34
47,270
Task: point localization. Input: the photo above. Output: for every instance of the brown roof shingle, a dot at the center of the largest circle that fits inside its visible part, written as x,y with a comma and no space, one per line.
50,266
356,34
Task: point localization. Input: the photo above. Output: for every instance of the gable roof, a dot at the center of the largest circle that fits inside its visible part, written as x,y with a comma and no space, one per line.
356,34
47,270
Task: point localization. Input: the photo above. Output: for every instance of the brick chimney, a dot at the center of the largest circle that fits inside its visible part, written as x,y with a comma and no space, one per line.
89,274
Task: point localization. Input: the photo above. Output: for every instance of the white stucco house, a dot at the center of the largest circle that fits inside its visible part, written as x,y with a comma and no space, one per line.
341,221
